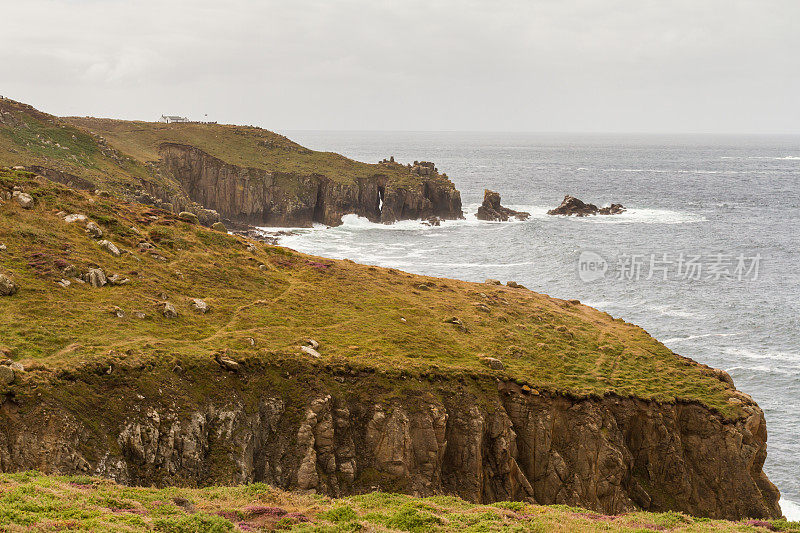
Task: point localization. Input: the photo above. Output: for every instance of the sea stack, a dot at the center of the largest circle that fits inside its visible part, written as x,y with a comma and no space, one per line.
492,210
573,206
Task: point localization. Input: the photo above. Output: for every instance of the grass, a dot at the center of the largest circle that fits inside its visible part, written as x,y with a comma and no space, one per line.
244,146
30,501
266,300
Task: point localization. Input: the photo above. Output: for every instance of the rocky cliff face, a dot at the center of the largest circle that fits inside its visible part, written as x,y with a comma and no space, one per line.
265,198
478,439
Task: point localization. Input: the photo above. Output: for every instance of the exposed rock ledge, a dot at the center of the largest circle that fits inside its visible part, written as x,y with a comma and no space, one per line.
259,197
349,433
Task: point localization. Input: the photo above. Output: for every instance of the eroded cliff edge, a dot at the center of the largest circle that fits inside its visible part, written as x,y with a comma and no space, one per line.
266,198
347,432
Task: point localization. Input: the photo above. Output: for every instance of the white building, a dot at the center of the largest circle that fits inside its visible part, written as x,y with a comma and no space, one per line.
169,119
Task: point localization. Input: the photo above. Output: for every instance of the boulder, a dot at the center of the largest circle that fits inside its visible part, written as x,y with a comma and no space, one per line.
226,362
219,226
186,216
110,247
169,310
492,210
117,312
206,217
95,277
6,375
64,283
310,351
7,286
493,282
75,217
493,363
24,199
94,230
116,279
573,206
199,305
514,285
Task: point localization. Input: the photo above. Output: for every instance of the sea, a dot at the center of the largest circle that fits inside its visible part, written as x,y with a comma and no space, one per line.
706,258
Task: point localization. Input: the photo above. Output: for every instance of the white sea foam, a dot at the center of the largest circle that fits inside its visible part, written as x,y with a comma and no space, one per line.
678,340
791,510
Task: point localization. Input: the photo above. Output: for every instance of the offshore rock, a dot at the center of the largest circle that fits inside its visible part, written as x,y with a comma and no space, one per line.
572,206
492,210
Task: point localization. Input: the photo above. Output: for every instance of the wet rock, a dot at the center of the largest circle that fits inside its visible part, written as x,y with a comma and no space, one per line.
492,210
572,206
110,247
8,287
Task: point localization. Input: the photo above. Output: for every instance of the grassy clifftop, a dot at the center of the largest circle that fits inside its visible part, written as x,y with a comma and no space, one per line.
244,146
265,302
30,501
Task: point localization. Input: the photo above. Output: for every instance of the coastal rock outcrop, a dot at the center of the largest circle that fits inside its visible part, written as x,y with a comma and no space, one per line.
573,206
348,434
259,197
492,210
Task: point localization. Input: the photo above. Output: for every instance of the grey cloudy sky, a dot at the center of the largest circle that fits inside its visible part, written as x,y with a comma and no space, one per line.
543,65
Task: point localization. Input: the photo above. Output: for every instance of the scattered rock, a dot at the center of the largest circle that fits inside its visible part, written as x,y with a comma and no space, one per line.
493,282
145,246
199,305
493,211
117,312
7,286
169,310
403,320
3,248
453,320
64,283
95,277
186,216
572,206
226,362
310,351
18,167
116,279
24,199
93,230
219,226
6,375
139,315
314,344
482,307
262,267
493,363
75,217
110,247
514,285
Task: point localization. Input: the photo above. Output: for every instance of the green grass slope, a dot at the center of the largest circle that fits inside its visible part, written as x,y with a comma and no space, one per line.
32,502
245,146
265,301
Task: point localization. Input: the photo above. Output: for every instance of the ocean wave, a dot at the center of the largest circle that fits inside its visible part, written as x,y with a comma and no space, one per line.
678,340
631,215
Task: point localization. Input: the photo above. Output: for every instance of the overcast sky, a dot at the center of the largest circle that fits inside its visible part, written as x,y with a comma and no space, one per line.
543,65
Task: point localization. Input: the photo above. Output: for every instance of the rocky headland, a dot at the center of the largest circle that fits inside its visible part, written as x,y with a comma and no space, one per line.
191,357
